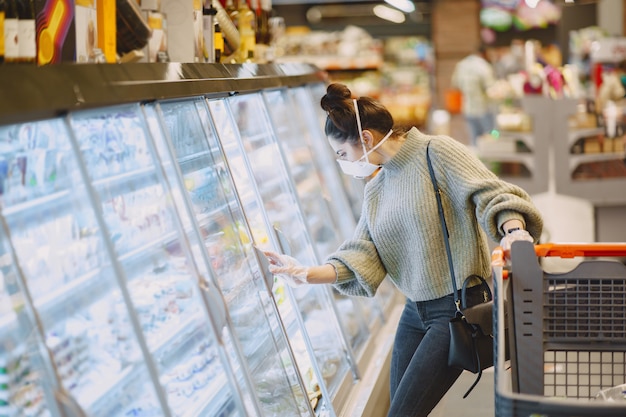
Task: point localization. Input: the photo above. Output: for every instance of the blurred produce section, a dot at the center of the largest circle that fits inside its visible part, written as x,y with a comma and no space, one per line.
397,70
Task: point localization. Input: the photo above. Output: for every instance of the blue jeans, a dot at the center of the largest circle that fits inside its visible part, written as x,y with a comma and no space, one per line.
420,375
479,125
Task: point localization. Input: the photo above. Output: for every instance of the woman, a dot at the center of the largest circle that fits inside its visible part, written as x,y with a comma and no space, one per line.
399,236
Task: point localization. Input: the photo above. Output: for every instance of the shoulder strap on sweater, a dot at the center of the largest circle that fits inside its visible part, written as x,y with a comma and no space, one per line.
444,226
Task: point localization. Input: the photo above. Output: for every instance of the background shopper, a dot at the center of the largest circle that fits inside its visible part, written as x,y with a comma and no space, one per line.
473,76
399,237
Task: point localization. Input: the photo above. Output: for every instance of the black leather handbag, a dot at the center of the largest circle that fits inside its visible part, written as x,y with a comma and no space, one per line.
471,328
471,338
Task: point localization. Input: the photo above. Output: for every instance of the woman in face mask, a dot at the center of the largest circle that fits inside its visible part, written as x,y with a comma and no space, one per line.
399,236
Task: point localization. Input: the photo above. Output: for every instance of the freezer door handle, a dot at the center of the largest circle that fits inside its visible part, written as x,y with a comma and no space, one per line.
215,303
283,242
264,265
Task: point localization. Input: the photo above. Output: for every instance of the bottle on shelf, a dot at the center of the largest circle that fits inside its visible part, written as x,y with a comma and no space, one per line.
198,31
208,28
218,42
232,9
263,13
27,44
247,23
229,32
2,10
11,45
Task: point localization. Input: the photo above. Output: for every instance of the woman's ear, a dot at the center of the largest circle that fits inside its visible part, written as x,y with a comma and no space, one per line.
368,138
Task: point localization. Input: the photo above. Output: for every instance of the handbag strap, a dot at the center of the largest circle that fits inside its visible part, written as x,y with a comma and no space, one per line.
444,226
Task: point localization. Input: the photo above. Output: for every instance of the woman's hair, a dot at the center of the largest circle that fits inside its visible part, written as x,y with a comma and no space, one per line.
341,122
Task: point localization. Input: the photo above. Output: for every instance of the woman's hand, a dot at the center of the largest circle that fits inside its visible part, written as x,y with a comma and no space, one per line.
288,269
509,238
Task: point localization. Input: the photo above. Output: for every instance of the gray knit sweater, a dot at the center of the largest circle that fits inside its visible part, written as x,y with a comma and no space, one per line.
399,232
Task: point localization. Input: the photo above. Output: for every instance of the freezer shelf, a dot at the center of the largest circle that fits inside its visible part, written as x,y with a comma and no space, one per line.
226,246
25,386
59,247
331,362
164,286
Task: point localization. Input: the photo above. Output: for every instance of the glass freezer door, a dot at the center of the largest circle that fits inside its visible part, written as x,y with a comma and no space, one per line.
59,247
294,138
176,309
27,385
269,201
227,247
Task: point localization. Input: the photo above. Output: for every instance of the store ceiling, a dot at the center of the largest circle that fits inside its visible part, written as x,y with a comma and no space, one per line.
330,15
334,15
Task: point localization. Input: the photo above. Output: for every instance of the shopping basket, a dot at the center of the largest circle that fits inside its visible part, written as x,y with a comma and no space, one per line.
566,331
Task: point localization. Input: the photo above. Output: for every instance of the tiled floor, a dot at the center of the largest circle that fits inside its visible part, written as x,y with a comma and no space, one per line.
480,402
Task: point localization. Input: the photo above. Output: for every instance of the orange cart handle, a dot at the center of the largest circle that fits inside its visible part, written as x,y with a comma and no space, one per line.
572,250
563,250
567,250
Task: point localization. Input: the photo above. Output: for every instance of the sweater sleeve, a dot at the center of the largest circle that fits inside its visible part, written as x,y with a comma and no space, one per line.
470,182
359,268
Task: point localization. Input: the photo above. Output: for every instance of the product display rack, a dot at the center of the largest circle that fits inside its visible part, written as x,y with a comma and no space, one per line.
133,205
598,191
537,142
552,159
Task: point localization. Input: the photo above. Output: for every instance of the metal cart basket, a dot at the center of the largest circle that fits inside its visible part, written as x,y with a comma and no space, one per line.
566,332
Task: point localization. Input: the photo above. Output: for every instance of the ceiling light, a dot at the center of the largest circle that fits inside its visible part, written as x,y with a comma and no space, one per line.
389,14
406,6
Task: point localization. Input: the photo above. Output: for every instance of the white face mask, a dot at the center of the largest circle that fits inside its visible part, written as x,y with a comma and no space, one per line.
361,168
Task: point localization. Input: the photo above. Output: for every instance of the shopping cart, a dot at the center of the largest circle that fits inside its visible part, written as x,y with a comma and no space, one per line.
566,332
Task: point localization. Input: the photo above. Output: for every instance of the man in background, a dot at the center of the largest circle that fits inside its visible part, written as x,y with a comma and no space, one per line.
473,76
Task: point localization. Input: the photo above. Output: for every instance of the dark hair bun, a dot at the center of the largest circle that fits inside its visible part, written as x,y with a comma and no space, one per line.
335,97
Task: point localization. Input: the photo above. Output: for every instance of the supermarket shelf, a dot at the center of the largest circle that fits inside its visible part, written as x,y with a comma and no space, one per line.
537,140
216,403
574,135
177,334
139,178
74,296
147,249
24,208
527,137
338,63
597,191
99,402
576,160
55,89
526,159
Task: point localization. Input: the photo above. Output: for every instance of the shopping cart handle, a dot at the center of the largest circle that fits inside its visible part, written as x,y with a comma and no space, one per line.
562,250
566,250
572,250
498,261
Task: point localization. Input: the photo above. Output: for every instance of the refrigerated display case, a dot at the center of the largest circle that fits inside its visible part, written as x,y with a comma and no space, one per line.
272,208
189,144
135,200
109,274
